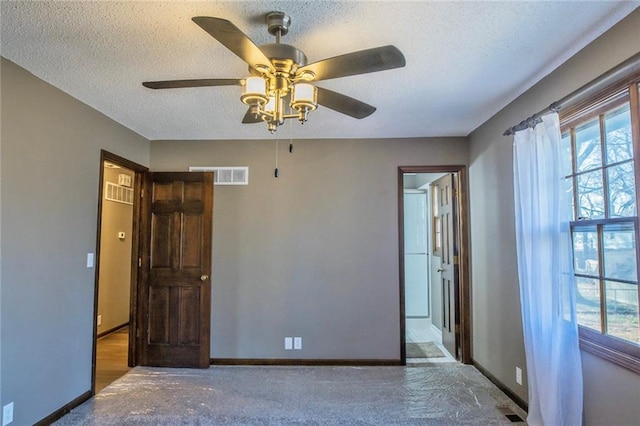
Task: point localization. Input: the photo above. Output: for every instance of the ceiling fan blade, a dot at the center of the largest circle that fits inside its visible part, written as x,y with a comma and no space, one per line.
360,62
234,39
344,104
250,118
176,84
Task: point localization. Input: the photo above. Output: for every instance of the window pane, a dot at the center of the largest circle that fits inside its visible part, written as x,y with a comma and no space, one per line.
566,155
590,196
618,145
619,245
588,303
622,196
588,153
622,310
585,251
437,237
569,189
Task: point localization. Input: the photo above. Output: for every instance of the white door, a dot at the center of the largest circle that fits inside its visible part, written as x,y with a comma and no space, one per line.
416,249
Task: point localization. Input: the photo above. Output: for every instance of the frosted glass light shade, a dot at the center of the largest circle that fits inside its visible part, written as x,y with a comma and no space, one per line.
255,85
271,104
304,92
254,91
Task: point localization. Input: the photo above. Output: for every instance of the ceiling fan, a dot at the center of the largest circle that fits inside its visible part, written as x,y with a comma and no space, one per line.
280,75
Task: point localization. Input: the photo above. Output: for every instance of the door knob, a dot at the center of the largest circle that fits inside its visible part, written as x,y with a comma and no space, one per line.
204,277
440,270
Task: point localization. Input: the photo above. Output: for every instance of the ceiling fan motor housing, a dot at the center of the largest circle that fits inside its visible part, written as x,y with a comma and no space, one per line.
278,22
284,57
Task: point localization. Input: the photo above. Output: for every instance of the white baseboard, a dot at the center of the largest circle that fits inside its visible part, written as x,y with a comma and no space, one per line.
436,331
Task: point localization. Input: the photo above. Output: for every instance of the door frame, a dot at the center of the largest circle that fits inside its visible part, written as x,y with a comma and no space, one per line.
139,172
463,304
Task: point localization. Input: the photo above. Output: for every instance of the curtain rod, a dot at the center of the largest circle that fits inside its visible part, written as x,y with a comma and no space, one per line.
627,67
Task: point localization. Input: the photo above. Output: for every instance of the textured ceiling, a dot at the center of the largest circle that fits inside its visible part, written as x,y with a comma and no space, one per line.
465,60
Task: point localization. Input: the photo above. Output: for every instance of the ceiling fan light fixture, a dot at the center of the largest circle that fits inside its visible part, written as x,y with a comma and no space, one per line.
304,99
254,92
270,107
273,112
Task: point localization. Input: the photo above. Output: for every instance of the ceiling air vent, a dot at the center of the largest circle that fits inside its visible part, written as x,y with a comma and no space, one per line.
236,175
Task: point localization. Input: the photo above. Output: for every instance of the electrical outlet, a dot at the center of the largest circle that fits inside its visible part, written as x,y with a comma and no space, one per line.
288,343
99,319
297,343
519,375
7,414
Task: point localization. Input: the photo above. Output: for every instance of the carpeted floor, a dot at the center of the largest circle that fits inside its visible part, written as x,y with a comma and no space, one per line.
437,395
423,350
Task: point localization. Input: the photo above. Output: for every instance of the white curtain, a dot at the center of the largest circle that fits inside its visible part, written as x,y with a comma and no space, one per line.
545,271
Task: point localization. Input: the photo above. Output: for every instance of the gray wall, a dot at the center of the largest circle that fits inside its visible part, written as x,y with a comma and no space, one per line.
611,393
50,167
114,285
313,253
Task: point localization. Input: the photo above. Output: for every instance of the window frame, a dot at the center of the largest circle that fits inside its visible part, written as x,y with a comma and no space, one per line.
614,349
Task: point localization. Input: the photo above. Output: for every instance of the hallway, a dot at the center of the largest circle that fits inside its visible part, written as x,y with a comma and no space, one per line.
111,357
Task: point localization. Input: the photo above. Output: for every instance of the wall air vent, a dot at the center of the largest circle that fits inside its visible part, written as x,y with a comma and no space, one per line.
236,175
117,193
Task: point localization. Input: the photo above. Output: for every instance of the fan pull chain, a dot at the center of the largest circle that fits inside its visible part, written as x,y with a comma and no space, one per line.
290,136
275,173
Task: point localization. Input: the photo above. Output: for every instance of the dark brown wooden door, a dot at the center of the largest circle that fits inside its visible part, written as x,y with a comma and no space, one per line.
175,289
449,262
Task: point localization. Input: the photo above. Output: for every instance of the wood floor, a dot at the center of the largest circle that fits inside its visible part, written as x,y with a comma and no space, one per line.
111,357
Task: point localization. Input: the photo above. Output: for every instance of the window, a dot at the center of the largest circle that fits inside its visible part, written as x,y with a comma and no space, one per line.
601,142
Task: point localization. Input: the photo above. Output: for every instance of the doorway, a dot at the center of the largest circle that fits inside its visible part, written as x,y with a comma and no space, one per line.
433,246
116,269
422,263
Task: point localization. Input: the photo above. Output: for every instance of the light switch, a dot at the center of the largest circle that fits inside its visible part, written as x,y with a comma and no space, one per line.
121,235
90,260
